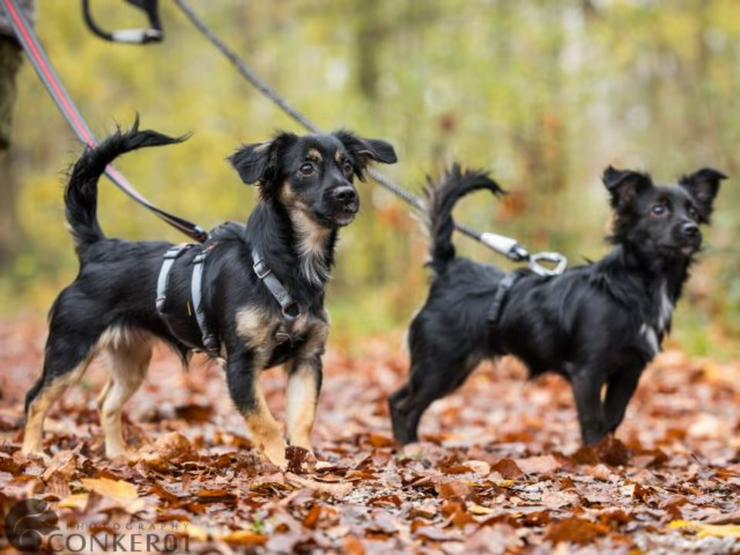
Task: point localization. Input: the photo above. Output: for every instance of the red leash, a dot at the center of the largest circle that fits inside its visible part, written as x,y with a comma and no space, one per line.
61,98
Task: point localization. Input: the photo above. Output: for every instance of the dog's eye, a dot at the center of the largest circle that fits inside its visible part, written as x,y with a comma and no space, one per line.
347,168
691,211
659,209
307,168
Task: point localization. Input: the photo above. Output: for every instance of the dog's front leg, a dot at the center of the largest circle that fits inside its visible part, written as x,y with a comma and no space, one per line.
587,384
242,373
304,384
621,387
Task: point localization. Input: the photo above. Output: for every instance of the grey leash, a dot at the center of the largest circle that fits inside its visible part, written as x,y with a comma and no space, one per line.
499,243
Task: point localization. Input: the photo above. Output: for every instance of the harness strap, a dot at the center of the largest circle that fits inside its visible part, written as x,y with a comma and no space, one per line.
196,292
168,260
498,299
289,307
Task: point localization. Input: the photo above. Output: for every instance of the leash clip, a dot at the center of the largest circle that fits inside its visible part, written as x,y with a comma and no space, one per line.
560,261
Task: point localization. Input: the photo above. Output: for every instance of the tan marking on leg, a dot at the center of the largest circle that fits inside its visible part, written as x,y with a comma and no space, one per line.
302,393
300,399
128,362
103,394
37,411
265,430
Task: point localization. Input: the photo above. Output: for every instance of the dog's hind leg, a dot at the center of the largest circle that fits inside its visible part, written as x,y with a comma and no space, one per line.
432,377
128,354
68,355
242,375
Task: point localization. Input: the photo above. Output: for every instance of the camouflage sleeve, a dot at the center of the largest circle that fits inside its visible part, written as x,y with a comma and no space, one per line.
10,61
29,10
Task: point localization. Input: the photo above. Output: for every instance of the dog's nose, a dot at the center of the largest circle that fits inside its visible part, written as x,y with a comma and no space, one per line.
690,229
345,195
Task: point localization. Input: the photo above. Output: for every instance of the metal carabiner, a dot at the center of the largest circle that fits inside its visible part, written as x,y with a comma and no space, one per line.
560,261
129,36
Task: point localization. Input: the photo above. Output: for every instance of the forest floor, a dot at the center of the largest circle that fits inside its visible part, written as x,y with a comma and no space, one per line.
500,468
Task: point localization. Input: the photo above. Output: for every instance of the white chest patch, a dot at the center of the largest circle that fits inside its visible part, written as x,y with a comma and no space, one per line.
666,309
652,332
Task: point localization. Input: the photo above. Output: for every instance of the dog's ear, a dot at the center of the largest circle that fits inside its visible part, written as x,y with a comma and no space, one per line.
365,151
257,162
251,161
624,186
703,185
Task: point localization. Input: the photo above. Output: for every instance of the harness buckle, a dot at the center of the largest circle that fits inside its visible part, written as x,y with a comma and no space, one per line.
261,269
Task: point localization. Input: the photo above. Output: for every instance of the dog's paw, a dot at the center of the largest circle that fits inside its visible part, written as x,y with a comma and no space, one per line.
275,453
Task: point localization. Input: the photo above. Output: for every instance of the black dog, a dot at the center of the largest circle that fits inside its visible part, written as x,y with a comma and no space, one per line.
599,324
306,195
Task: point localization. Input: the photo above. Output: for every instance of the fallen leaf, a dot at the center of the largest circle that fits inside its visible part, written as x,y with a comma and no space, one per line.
122,492
706,530
476,509
243,538
575,530
508,469
545,464
453,489
75,501
335,490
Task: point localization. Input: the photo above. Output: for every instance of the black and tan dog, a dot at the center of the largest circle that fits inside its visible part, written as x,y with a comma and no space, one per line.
307,194
597,325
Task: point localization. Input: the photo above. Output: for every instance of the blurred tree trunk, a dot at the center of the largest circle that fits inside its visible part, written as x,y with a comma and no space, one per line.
370,33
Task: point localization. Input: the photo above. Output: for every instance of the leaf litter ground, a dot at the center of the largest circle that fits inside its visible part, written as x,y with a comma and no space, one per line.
500,469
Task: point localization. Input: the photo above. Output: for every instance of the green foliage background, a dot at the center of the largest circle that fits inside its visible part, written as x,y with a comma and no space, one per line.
543,93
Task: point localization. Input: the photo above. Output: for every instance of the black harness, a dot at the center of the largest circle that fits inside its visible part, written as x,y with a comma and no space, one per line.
494,311
290,309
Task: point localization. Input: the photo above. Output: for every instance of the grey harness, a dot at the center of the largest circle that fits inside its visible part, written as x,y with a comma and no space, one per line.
210,343
290,309
494,311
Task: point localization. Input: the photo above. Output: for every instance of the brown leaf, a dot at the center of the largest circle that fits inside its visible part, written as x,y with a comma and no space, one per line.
377,440
386,501
299,459
335,490
352,546
453,489
425,510
244,538
482,468
312,518
194,413
575,530
545,464
216,496
508,469
613,452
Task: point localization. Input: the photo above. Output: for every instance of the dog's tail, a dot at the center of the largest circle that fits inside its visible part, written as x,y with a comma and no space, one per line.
440,200
81,193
